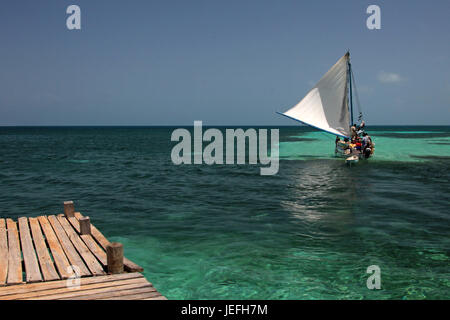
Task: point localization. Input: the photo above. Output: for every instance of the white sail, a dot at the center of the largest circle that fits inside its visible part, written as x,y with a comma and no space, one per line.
325,106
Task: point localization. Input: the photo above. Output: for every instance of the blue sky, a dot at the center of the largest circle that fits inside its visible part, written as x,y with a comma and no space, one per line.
223,62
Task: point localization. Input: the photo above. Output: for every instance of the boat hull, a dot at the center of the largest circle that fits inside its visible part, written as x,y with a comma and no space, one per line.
352,160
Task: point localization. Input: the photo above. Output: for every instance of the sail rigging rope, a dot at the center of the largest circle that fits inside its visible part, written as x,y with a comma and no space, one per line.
358,104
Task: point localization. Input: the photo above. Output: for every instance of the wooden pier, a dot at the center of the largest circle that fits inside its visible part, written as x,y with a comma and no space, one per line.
64,256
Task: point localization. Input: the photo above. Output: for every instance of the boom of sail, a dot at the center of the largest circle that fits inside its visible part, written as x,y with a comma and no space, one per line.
325,107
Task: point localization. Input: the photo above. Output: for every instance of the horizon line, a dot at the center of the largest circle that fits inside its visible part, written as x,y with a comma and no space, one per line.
209,125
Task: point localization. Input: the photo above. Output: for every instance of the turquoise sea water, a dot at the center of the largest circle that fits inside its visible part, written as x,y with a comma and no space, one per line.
225,232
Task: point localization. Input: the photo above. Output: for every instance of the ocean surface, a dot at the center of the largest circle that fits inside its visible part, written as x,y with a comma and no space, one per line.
226,232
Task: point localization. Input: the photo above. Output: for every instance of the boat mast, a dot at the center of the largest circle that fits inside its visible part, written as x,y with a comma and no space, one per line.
351,97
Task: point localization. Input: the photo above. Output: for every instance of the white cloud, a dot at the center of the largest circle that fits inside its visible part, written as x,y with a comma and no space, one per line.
389,77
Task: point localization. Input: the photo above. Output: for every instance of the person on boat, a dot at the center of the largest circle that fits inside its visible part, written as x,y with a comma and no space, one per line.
336,143
366,141
367,151
353,131
362,125
360,128
352,146
368,146
355,140
358,144
345,145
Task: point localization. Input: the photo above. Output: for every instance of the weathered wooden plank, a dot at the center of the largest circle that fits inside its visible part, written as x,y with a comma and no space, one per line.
91,261
74,222
3,253
90,242
32,272
71,291
91,296
95,249
144,296
14,256
82,290
43,286
45,261
99,237
129,265
59,257
69,249
156,298
118,294
132,294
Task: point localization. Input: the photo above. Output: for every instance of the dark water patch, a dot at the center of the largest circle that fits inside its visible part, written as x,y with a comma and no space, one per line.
440,143
446,158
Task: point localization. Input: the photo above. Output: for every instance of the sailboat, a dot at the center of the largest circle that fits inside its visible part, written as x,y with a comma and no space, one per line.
328,107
